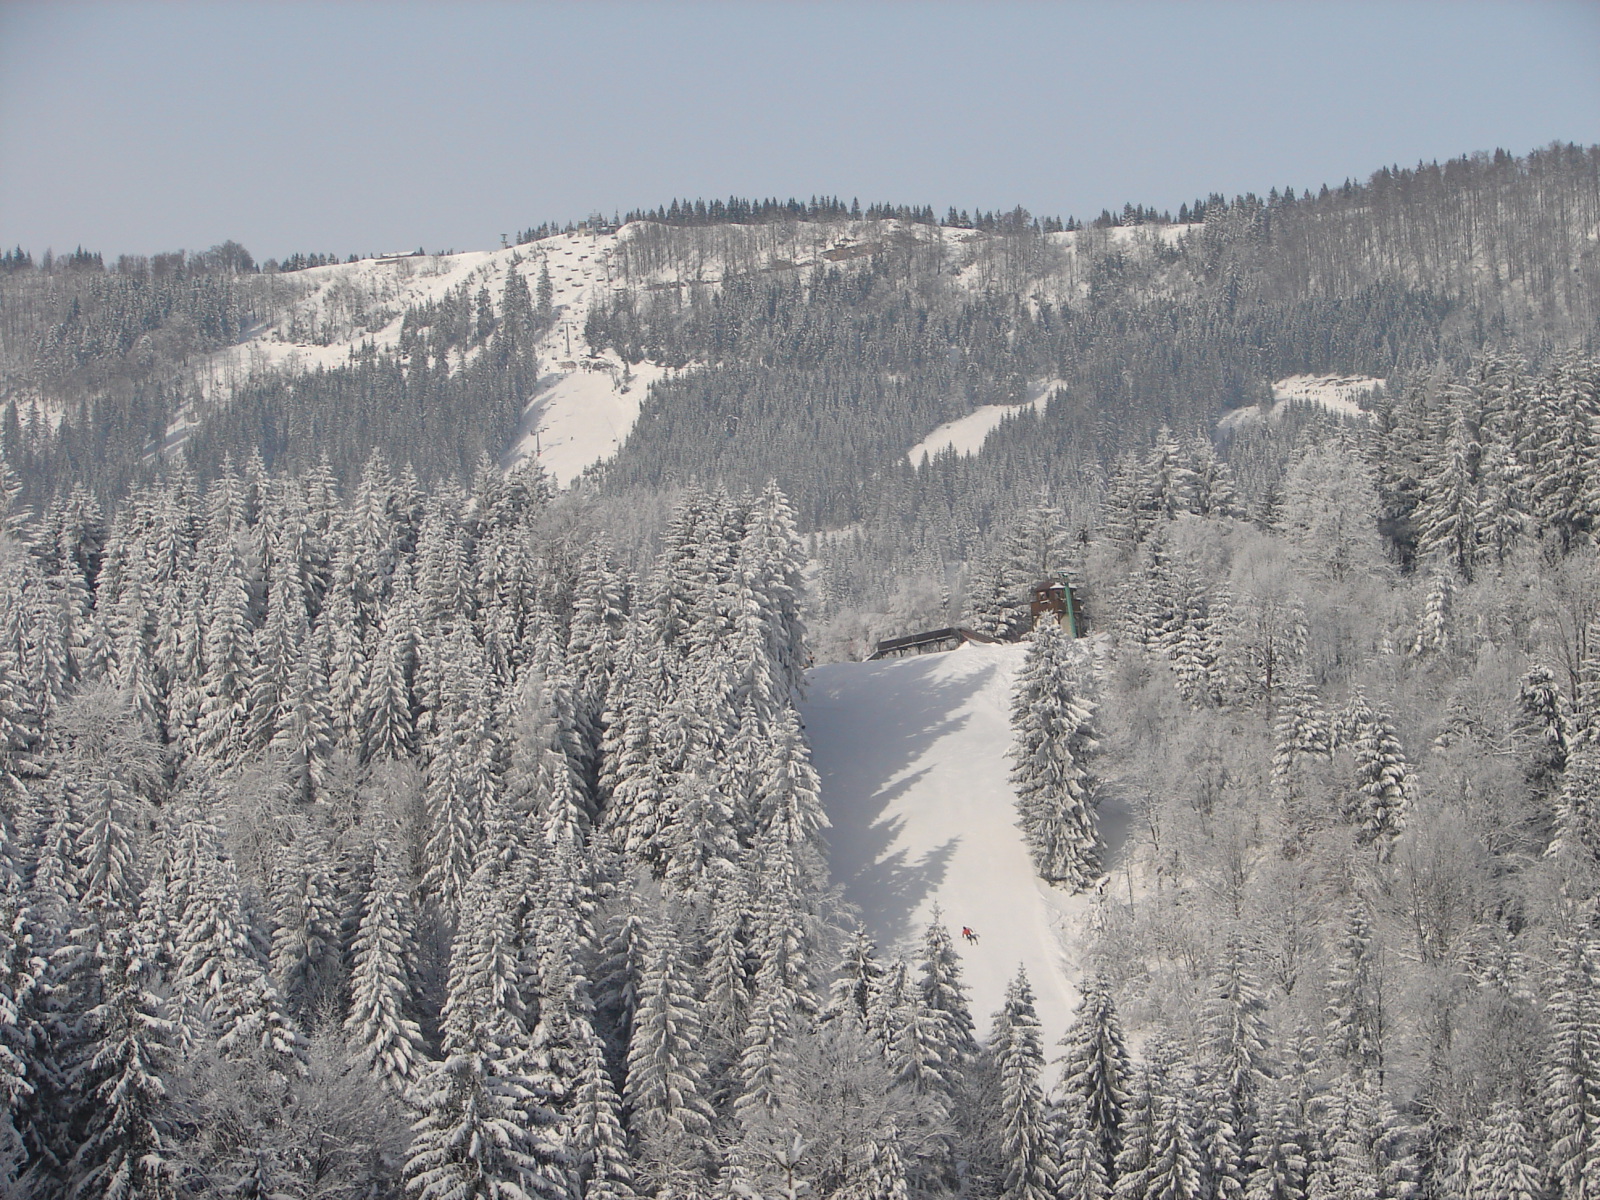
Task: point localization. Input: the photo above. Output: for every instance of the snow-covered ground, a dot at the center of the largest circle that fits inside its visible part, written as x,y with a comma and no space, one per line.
911,752
1341,394
966,435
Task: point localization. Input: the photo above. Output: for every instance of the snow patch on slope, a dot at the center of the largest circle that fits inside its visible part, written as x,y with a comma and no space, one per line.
966,435
1340,394
911,754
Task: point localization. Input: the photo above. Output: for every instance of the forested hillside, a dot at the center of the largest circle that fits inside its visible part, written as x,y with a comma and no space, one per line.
379,819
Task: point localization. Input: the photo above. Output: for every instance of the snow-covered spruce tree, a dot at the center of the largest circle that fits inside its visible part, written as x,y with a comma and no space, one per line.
389,725
768,1055
788,800
1565,447
1038,546
1382,776
110,769
1450,507
1055,792
124,1148
1159,1156
1279,1149
1366,1145
219,976
597,1144
1081,1173
1505,1163
1572,1066
225,686
771,564
379,1025
942,993
1018,1052
482,1131
858,977
1357,1022
1543,727
543,785
1432,635
1577,816
1095,1072
1300,731
1235,1042
664,1090
306,943
305,731
462,778
20,969
729,972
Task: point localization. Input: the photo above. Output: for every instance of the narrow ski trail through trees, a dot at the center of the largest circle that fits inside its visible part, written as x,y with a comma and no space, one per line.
912,758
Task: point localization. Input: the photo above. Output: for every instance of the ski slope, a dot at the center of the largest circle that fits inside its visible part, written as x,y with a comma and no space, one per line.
966,435
911,753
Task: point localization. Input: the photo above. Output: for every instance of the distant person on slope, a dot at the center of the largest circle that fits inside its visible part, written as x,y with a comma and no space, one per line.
966,932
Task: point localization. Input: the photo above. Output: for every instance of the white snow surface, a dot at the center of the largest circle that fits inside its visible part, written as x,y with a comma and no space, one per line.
1341,394
966,435
912,758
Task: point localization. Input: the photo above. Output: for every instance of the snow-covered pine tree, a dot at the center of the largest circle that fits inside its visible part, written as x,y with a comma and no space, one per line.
1055,800
1018,1052
1095,1072
379,1023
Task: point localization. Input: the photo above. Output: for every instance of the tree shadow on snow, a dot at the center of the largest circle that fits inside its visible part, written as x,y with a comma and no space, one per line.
871,723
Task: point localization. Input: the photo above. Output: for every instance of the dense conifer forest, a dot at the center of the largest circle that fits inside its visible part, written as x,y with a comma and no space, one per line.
378,819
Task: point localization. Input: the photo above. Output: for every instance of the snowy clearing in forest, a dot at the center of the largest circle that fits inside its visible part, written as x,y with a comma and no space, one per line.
1340,394
578,417
966,435
912,757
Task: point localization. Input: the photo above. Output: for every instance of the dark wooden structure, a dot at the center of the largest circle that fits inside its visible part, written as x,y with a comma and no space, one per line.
921,643
1059,599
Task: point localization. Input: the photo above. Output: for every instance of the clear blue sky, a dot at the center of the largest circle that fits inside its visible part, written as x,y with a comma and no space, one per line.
138,127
